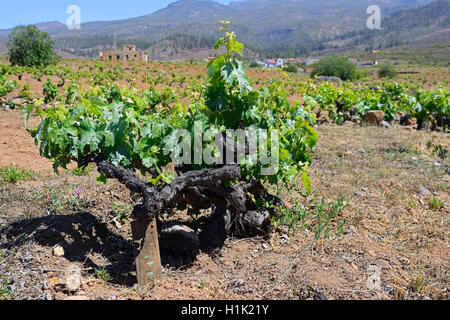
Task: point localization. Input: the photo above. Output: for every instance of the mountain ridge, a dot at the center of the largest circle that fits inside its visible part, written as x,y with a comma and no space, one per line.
267,27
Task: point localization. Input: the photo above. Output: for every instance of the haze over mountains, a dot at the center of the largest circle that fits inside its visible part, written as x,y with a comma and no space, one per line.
268,27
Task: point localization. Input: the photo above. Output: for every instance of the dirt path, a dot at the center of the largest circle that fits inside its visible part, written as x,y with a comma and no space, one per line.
17,147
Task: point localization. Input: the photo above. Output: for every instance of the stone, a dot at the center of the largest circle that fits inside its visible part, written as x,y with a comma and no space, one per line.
323,117
179,245
183,231
73,282
45,284
361,150
237,282
424,191
26,257
404,119
356,119
329,79
58,251
374,116
11,288
47,296
347,116
385,124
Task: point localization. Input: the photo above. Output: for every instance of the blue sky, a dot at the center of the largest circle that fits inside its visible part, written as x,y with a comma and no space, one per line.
17,12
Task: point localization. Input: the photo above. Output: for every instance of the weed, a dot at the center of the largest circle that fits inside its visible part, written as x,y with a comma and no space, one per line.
436,203
438,150
122,211
6,293
417,283
319,216
83,171
13,175
102,274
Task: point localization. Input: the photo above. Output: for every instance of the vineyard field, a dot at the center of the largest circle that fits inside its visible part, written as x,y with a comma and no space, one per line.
357,195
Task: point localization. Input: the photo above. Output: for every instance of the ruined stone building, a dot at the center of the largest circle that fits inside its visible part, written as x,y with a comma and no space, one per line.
128,54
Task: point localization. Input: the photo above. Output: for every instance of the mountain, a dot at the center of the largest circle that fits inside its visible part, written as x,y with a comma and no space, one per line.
269,28
425,25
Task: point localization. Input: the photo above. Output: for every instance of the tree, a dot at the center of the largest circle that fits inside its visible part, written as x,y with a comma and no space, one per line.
28,46
291,68
335,66
253,64
387,70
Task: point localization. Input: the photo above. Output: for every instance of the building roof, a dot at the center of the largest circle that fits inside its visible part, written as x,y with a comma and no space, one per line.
271,61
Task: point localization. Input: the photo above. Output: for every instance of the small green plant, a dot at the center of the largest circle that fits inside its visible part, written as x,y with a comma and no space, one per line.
150,264
83,171
26,91
77,200
417,283
102,274
436,203
5,292
318,216
13,175
55,204
325,214
122,211
50,91
438,150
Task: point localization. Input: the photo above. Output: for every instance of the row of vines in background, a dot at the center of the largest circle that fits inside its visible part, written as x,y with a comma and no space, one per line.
175,87
391,98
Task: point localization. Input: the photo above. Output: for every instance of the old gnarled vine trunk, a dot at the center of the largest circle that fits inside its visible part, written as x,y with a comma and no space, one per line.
232,211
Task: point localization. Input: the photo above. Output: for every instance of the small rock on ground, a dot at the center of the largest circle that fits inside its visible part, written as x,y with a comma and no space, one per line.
424,191
385,124
58,251
73,283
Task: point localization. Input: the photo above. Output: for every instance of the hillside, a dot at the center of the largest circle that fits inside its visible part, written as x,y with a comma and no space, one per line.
269,28
425,25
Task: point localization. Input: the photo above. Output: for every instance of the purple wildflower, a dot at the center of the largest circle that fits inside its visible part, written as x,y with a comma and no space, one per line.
79,191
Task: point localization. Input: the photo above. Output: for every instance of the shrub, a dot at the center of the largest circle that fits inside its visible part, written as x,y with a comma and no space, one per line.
387,70
13,175
291,68
362,74
28,46
253,64
335,66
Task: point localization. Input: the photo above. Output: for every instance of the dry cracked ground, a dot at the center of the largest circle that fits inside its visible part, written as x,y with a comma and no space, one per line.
375,227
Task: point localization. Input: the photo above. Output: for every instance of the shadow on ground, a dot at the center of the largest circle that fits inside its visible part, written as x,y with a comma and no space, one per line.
83,237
